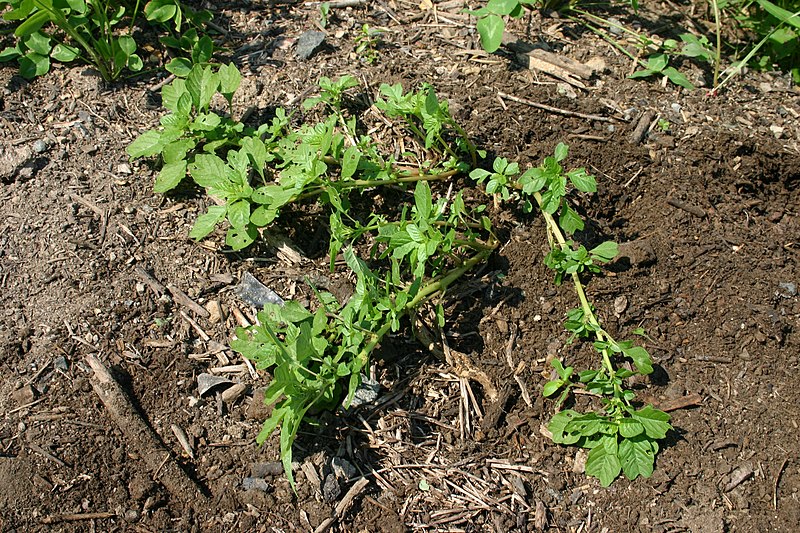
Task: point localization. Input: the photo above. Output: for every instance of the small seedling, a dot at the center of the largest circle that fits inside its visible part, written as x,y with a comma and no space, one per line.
367,42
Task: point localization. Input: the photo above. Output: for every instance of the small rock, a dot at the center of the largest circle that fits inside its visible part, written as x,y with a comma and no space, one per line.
60,363
214,311
40,146
342,468
676,107
308,43
231,394
777,131
273,468
614,26
620,304
206,382
257,483
24,395
367,392
787,289
331,489
124,168
255,293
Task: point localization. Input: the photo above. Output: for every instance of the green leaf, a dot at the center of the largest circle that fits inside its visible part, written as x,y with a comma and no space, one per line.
229,79
786,17
582,180
557,427
240,238
605,251
422,200
570,221
490,29
350,160
561,152
603,462
209,171
551,387
147,144
501,7
630,428
637,456
33,24
180,66
33,64
170,176
640,358
202,51
657,62
677,78
655,422
239,213
479,174
206,223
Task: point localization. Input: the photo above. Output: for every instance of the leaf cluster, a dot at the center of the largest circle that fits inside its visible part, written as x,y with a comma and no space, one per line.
100,33
570,258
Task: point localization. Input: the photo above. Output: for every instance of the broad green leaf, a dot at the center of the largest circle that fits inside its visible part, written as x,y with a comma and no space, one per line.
229,79
605,251
551,387
422,200
479,174
629,428
180,66
677,78
38,43
533,180
557,427
172,92
501,7
240,238
637,456
640,357
587,424
33,64
787,17
561,152
147,144
160,10
350,160
170,176
655,422
569,220
127,45
177,150
33,24
239,213
582,181
657,62
257,152
202,51
209,171
206,222
271,423
603,462
490,29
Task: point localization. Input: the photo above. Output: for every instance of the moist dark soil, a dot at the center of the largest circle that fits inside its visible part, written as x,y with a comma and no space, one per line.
93,262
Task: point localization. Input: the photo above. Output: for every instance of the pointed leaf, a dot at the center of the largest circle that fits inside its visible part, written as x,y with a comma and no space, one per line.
603,462
655,422
637,456
490,29
170,176
206,223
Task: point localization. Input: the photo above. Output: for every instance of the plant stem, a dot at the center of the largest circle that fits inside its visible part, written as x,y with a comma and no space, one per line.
443,282
555,231
717,58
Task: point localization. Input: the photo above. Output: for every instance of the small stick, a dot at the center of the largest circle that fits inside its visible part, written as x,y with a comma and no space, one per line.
159,85
56,518
342,506
150,281
44,453
690,400
696,211
642,127
141,436
777,481
183,299
553,109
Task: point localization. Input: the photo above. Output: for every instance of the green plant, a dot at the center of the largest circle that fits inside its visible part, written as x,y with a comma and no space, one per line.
402,258
658,65
367,42
100,33
324,13
620,437
88,26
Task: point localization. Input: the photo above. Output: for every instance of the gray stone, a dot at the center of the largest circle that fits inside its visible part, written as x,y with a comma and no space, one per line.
308,43
256,483
255,293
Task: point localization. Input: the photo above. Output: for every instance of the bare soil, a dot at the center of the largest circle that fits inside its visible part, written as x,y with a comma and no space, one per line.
93,262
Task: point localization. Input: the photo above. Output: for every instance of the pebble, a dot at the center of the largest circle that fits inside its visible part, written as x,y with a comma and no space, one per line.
787,289
308,43
256,483
40,146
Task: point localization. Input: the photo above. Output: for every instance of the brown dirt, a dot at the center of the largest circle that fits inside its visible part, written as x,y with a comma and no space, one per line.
77,221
